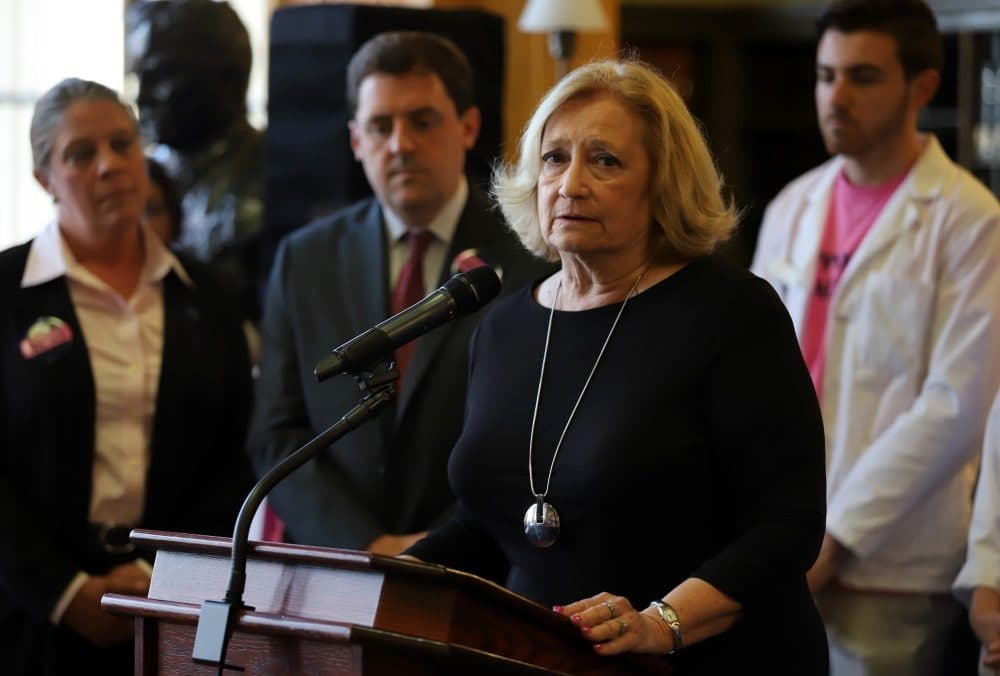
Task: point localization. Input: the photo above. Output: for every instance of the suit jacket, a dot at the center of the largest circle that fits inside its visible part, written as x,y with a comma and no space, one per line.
328,284
198,474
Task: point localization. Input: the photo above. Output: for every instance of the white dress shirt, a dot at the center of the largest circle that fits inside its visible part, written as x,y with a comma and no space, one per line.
443,228
124,340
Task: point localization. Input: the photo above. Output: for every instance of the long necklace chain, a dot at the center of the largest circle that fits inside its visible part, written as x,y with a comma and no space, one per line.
541,379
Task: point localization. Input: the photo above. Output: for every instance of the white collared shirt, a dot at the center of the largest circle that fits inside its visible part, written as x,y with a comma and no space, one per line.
443,228
124,339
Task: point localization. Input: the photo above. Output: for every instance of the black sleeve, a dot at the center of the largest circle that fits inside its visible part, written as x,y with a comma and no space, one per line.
461,542
767,427
36,562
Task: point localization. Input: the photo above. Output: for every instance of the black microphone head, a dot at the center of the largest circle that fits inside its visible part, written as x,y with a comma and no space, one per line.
473,289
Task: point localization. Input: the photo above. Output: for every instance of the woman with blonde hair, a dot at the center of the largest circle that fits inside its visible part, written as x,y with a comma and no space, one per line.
642,448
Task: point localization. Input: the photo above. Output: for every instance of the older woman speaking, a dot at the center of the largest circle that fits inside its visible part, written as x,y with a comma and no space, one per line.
642,447
124,394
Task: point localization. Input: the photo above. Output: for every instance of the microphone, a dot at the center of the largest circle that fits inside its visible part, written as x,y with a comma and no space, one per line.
461,295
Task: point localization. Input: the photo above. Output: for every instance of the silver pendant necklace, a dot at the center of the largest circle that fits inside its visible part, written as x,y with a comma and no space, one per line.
541,521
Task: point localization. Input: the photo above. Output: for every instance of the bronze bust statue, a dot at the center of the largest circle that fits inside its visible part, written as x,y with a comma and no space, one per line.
192,61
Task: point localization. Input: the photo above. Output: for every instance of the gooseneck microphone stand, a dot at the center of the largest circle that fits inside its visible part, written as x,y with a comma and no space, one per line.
216,617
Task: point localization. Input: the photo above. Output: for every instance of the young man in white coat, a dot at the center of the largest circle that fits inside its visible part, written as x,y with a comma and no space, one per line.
888,259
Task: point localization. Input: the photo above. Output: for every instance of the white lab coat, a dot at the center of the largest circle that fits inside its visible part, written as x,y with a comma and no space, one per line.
982,564
912,363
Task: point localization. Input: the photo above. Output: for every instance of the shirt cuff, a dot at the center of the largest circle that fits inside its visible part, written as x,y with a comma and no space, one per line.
853,539
144,566
978,571
55,617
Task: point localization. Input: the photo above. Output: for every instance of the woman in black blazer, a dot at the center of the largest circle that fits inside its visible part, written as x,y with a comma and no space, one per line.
125,394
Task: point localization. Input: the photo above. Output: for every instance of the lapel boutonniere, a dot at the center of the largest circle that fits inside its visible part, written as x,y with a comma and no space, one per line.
45,334
468,260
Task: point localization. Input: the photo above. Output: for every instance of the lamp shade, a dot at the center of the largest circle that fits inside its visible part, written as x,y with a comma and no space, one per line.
548,16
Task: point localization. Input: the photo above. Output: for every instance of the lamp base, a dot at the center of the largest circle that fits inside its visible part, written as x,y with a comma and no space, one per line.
561,44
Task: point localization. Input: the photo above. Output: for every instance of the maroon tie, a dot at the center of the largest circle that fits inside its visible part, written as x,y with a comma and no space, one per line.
410,289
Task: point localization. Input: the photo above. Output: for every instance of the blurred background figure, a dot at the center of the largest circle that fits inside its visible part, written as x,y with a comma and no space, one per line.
413,120
124,376
162,213
978,583
192,62
887,257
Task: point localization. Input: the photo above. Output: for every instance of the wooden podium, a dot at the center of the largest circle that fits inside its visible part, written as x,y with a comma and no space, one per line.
326,611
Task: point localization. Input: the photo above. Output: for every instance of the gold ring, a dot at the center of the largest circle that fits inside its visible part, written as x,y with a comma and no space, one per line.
611,609
622,627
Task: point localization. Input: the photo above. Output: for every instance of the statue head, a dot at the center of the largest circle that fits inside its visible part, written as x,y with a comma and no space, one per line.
192,60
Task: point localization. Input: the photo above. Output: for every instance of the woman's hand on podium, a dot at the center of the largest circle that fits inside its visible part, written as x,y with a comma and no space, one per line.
85,616
392,545
614,626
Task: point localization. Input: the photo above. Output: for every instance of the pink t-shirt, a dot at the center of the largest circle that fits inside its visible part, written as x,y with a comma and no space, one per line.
853,210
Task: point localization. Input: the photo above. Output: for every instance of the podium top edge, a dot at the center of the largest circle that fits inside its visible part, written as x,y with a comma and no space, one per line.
222,546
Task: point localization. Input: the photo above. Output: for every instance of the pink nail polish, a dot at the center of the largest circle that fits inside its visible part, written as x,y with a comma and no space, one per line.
575,618
597,647
558,609
585,630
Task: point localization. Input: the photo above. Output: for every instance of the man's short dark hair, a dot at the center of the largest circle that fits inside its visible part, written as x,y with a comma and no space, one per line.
403,52
911,23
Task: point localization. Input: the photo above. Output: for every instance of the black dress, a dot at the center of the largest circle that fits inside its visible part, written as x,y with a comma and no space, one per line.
697,450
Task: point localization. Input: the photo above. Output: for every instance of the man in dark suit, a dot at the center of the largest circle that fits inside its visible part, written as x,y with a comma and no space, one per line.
380,487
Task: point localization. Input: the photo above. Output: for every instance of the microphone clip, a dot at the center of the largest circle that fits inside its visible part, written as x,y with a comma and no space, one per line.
218,618
374,377
215,627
